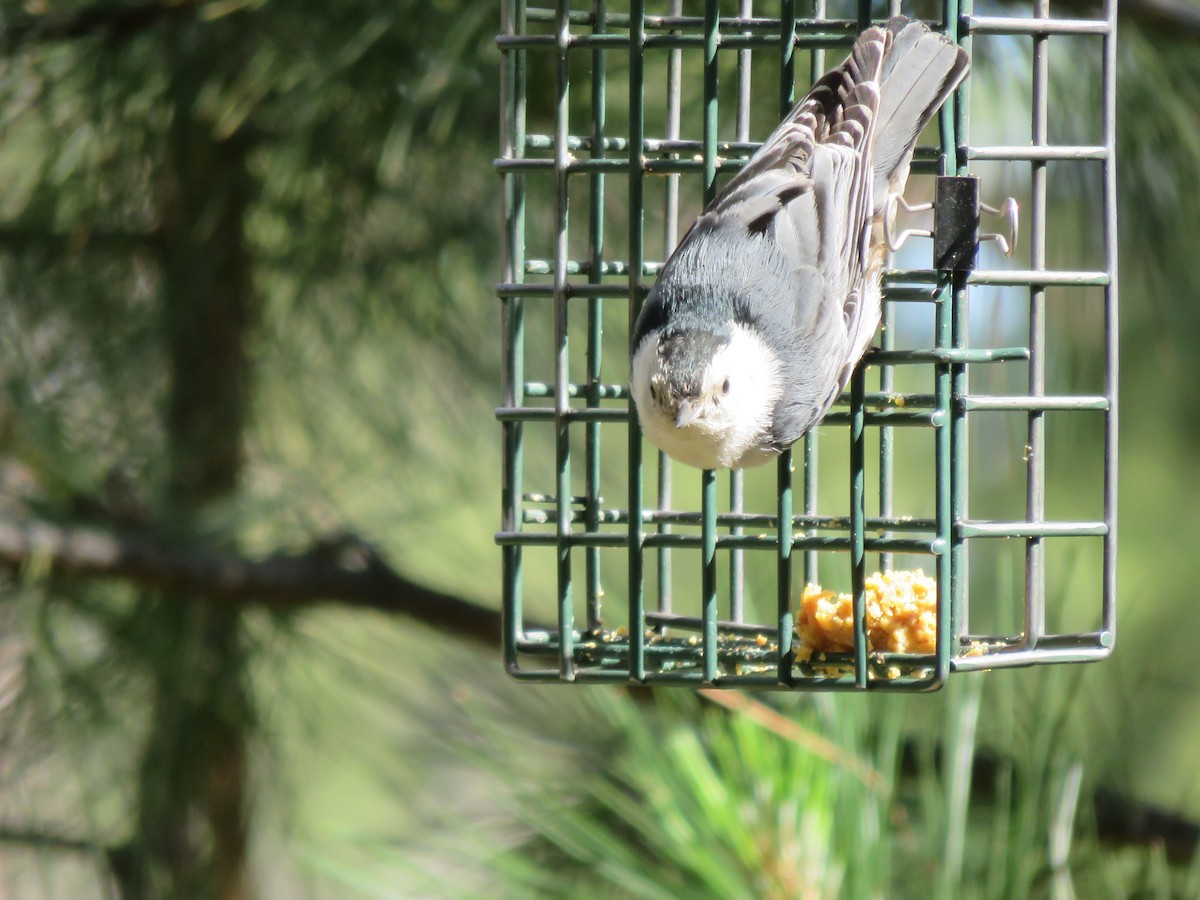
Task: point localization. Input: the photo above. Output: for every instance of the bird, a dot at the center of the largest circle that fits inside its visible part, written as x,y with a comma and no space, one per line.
760,315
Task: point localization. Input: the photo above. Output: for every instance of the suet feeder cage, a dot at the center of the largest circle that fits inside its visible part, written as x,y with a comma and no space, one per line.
976,443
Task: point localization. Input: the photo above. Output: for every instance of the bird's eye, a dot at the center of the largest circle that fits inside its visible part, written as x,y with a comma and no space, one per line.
725,387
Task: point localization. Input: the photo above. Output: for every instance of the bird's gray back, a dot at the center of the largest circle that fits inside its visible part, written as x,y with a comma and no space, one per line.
787,245
725,274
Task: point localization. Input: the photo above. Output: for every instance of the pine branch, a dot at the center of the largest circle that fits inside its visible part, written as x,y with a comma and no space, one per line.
18,237
341,570
105,19
1180,17
1121,820
46,840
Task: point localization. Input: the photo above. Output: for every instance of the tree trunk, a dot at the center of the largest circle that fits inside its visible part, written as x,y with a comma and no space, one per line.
191,830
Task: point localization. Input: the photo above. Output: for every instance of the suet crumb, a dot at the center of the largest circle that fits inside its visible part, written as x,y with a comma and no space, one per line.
901,616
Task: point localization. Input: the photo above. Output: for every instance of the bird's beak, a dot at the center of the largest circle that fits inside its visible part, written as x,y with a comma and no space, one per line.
686,414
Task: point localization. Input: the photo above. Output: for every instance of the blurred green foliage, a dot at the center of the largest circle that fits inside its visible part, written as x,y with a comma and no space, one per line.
323,175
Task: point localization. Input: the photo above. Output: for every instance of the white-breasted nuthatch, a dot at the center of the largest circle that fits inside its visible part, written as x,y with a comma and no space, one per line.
766,306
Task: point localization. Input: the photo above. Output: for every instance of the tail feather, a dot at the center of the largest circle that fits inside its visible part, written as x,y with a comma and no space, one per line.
877,101
921,70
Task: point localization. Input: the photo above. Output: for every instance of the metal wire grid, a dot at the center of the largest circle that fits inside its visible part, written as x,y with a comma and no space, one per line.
729,652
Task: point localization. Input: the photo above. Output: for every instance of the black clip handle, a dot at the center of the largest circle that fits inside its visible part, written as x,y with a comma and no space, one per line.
956,212
956,223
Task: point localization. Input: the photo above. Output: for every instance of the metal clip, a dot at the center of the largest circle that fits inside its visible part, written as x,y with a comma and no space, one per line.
1009,208
956,222
889,213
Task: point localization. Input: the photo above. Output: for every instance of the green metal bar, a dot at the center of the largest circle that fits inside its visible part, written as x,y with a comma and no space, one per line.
1031,530
744,66
787,55
595,322
675,22
827,38
691,623
894,278
810,457
925,158
886,438
601,676
1111,330
590,268
857,420
573,291
637,637
564,416
864,15
1040,27
593,391
1039,278
1040,153
512,117
756,542
670,239
681,659
892,400
998,278
809,683
732,520
947,355
858,487
562,433
711,40
858,559
900,417
1008,277
535,676
738,42
1005,643
1022,403
737,487
614,166
783,578
708,478
1044,654
1004,278
911,295
681,651
671,144
906,684
951,377
708,544
957,620
605,663
817,57
886,385
1035,446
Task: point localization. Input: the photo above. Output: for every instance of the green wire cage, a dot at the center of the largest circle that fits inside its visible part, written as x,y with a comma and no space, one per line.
976,443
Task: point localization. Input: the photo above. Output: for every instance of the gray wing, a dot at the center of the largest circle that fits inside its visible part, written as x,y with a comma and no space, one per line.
798,219
808,193
922,68
808,189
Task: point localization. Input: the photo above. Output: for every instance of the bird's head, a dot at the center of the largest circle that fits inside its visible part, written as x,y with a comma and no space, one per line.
706,397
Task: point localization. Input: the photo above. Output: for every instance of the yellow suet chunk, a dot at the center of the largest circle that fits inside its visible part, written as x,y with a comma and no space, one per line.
901,616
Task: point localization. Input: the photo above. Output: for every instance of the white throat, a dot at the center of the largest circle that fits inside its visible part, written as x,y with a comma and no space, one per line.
733,430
